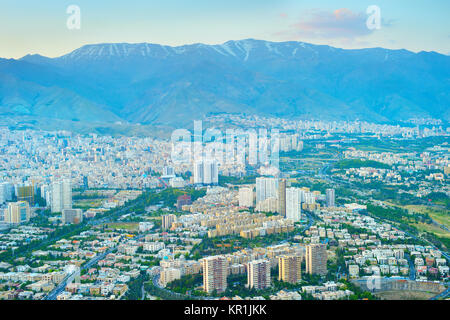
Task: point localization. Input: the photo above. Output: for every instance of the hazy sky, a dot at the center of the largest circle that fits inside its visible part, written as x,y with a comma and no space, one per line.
32,26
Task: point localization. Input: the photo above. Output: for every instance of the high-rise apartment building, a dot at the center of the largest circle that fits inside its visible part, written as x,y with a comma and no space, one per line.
17,212
215,271
25,192
198,172
167,221
266,188
46,194
211,172
61,195
316,259
330,197
282,197
206,172
6,192
310,198
293,204
268,205
290,268
246,197
258,274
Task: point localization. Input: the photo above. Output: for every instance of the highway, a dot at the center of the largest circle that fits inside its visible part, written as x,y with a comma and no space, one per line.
155,281
412,269
59,288
442,295
93,222
143,292
69,278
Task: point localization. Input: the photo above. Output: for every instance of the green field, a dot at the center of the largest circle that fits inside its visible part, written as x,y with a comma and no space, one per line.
88,203
357,163
441,233
440,216
130,226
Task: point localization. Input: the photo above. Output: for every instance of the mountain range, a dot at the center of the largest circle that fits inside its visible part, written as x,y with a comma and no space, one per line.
154,84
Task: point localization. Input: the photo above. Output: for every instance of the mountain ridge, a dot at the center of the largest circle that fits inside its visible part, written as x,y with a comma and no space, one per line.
157,84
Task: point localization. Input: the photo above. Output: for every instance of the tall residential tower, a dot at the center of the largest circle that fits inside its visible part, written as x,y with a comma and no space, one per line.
215,271
61,195
316,259
258,274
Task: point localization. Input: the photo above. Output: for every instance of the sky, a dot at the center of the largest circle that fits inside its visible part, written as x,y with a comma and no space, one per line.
40,27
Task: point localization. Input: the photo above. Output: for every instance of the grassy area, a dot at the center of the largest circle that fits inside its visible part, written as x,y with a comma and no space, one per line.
417,220
440,198
288,164
374,148
441,233
440,216
357,163
419,145
223,180
130,226
88,203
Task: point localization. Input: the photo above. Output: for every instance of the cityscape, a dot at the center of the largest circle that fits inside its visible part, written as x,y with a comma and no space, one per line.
149,166
355,211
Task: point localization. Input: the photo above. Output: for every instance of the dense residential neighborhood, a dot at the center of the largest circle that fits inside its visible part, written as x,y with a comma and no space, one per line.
88,217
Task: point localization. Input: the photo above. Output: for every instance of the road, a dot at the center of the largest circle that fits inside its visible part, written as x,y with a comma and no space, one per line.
444,253
155,281
59,288
142,292
412,268
69,278
443,295
91,222
62,285
323,173
310,223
